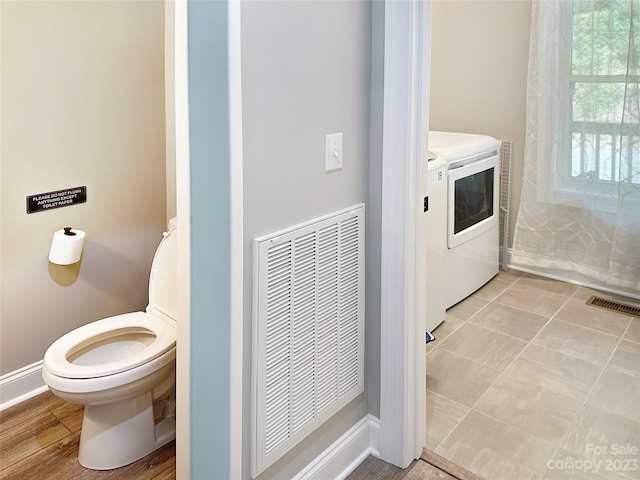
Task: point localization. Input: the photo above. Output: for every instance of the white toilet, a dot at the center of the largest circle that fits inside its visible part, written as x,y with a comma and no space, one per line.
122,369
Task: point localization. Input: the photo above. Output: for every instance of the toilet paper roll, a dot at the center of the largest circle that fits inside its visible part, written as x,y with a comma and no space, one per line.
66,246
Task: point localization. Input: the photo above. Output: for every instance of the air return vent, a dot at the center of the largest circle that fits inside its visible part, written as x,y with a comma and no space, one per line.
308,330
624,308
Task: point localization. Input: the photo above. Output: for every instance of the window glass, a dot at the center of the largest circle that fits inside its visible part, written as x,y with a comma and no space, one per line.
604,138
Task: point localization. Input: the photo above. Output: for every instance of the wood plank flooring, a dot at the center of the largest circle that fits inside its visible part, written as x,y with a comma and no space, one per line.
375,469
39,439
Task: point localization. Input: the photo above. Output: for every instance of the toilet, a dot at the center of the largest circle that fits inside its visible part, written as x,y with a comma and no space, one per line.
122,369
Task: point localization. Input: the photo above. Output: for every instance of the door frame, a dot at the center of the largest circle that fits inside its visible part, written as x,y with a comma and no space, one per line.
403,264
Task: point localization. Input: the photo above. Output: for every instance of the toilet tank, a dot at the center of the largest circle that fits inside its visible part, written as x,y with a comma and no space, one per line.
162,280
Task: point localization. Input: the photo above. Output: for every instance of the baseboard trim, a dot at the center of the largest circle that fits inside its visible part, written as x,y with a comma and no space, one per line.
21,385
374,438
346,453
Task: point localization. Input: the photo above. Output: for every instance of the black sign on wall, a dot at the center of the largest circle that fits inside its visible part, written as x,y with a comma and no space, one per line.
60,198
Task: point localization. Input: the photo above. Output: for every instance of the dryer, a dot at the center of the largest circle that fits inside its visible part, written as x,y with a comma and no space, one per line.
472,211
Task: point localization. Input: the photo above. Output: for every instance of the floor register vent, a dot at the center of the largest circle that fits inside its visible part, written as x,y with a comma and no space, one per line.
308,330
619,307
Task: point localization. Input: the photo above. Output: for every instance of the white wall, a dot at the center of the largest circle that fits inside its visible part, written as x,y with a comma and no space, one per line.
480,52
82,104
306,73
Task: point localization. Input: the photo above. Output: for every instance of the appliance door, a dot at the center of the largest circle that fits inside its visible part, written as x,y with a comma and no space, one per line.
472,205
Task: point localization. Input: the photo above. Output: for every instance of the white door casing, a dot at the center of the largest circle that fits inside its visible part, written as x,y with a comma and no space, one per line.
403,271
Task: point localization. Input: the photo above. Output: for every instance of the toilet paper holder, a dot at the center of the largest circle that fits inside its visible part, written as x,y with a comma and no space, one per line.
66,246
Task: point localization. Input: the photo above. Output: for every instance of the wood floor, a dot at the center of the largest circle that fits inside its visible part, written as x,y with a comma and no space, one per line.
375,469
39,440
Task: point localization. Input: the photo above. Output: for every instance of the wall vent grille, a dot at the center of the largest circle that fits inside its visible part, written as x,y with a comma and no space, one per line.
506,161
308,330
620,307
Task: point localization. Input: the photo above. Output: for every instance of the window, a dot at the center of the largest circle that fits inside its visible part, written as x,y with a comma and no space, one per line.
604,125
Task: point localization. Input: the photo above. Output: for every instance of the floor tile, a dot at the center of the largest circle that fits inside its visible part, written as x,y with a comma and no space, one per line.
531,300
600,435
492,289
457,378
618,393
446,328
442,417
555,371
509,275
633,332
510,321
489,348
544,413
626,358
577,341
584,293
467,308
575,355
577,312
495,450
547,284
569,466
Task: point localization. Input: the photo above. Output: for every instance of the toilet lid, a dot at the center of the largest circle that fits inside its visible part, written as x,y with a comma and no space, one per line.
109,346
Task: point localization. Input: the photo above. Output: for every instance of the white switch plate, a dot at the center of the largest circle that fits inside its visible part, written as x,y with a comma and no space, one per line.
332,152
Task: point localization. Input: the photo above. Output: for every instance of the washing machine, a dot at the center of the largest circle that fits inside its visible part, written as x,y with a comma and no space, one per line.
470,245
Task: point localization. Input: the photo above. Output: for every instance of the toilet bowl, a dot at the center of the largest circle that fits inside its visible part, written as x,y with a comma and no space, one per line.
122,368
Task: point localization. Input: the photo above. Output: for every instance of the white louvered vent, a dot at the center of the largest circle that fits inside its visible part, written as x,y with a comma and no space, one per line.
308,330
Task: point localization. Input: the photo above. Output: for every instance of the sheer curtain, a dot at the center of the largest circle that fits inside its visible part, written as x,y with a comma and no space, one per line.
580,205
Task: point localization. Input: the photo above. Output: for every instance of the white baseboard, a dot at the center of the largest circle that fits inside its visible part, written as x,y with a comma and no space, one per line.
346,453
21,385
374,430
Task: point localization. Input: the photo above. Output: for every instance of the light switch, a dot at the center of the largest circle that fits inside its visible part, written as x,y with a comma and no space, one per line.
333,152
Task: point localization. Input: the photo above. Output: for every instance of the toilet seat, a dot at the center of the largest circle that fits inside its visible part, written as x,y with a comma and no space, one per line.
56,358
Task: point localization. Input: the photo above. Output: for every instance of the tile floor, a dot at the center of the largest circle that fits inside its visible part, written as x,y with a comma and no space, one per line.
525,381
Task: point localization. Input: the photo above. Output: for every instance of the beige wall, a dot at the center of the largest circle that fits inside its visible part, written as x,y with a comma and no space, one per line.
480,52
170,104
82,97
